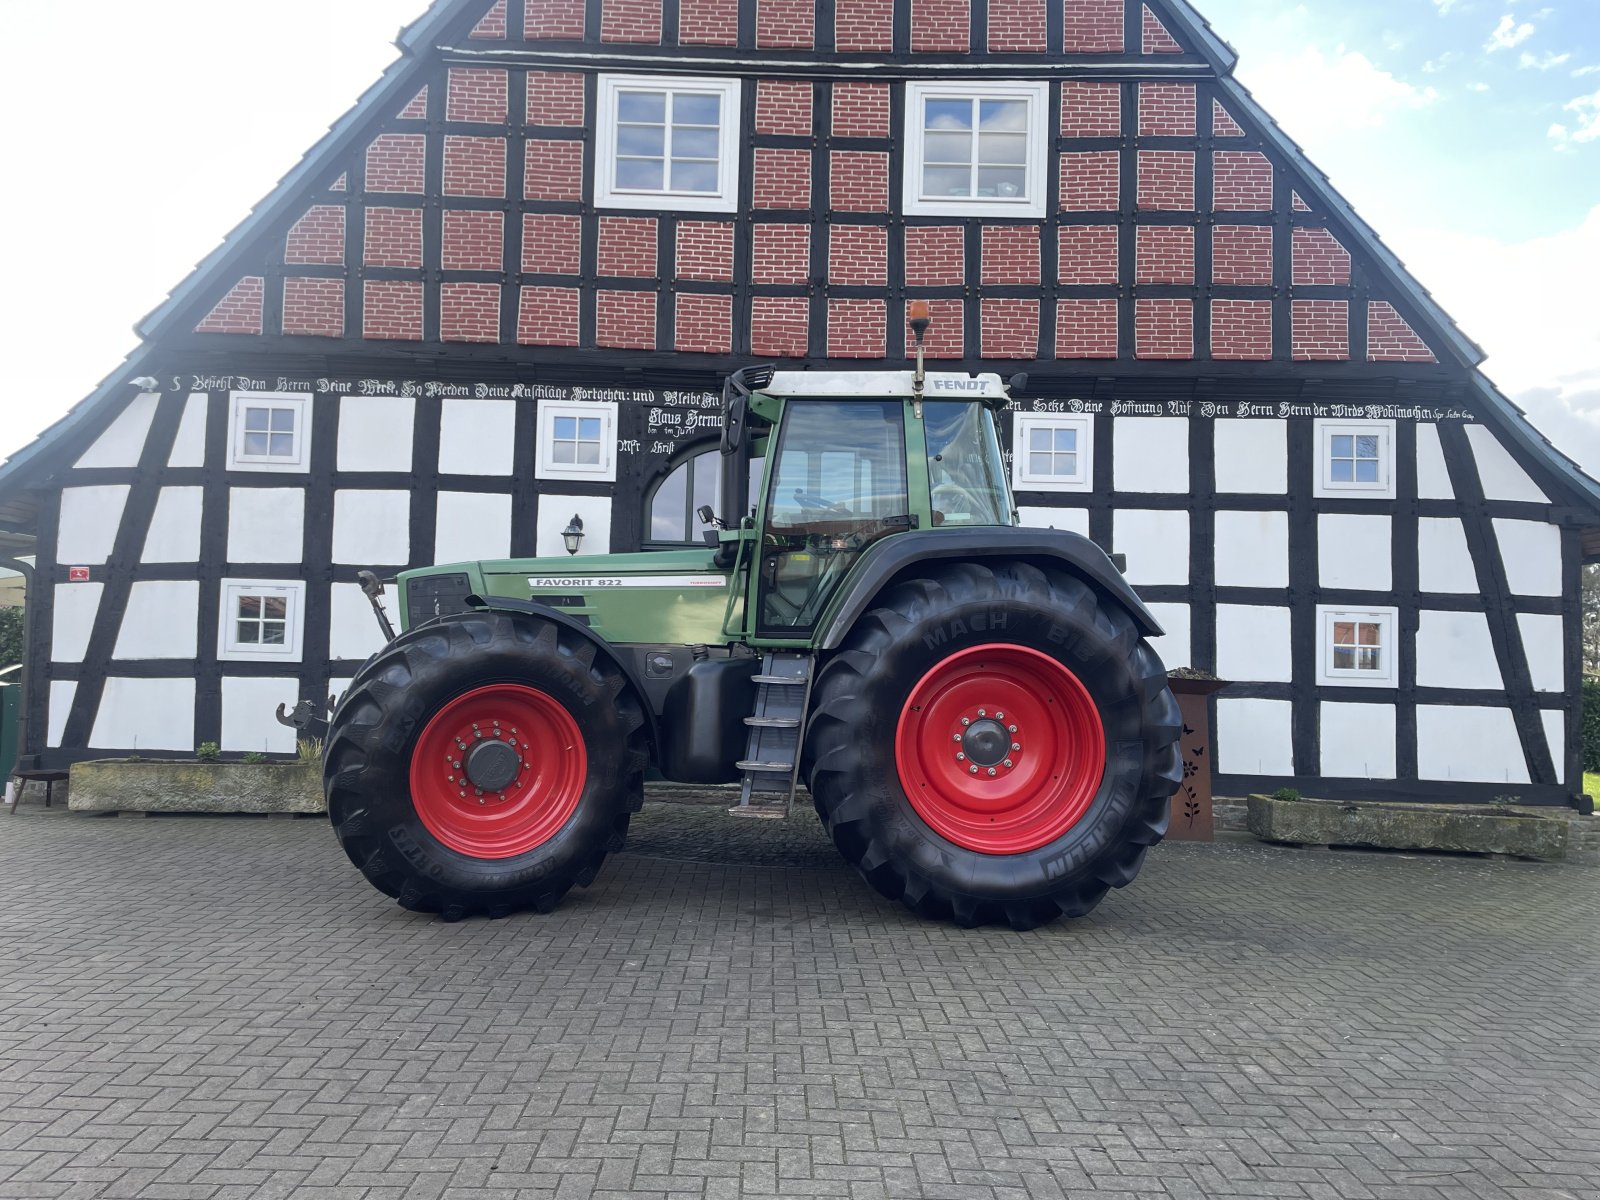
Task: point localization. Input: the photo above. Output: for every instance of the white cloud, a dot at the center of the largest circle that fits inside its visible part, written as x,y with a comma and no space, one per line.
1477,86
1529,304
1541,62
1510,32
1585,112
1297,88
1444,6
1434,65
1594,69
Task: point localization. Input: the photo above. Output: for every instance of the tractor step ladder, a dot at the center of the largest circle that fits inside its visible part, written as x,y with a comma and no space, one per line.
771,762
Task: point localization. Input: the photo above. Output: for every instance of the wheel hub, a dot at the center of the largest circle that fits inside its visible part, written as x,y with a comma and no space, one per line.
493,765
986,742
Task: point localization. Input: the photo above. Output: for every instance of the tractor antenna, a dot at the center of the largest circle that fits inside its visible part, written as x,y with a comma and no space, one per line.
919,327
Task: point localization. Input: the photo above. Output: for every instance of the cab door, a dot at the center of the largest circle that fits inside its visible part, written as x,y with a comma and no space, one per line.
836,482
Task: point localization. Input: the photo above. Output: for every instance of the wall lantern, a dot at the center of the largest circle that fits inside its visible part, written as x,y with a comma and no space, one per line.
573,534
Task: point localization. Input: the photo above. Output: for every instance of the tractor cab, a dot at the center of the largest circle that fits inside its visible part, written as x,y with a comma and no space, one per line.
851,457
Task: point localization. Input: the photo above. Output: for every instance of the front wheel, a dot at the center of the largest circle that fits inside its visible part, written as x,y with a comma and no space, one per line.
994,744
484,763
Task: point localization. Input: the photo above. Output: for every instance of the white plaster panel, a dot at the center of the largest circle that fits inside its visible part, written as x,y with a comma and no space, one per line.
555,513
1252,549
266,525
1353,551
1174,646
174,535
160,620
1433,477
145,714
1156,543
88,527
1150,454
1544,642
1253,643
1454,650
1502,477
1047,517
371,527
375,433
123,441
477,437
62,692
1444,562
249,714
1358,741
1254,737
473,526
189,446
1531,551
1251,455
72,619
1469,743
353,631
338,687
1555,736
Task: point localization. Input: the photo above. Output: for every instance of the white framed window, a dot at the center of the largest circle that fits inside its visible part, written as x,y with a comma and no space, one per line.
976,149
1052,452
1357,647
577,440
667,142
1355,458
261,620
269,431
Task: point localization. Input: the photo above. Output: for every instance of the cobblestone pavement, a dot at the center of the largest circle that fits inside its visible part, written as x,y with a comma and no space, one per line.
196,1008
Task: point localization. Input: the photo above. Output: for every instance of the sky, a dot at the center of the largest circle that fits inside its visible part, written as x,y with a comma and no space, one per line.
1466,132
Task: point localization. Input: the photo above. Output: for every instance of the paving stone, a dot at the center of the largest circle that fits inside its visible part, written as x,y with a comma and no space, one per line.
219,1009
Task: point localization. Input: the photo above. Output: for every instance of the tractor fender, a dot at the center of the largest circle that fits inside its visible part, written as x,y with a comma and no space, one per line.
895,556
567,621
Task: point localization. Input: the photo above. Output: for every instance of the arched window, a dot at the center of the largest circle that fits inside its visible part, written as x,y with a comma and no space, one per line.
696,480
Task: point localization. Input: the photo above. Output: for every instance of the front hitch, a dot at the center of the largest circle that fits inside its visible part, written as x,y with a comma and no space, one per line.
372,588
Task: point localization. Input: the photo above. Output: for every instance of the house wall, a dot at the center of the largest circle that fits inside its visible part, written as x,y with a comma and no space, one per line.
1210,500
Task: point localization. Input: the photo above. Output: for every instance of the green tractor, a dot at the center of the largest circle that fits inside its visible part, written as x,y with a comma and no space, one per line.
972,705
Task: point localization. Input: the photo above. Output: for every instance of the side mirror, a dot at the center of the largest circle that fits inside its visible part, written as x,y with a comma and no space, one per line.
733,419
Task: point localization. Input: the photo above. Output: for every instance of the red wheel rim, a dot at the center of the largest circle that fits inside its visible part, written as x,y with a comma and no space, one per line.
504,734
1000,749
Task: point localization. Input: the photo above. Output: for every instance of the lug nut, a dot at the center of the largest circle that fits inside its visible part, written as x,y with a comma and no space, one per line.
960,757
957,736
974,770
1011,728
991,770
1008,762
966,720
999,716
1016,745
982,713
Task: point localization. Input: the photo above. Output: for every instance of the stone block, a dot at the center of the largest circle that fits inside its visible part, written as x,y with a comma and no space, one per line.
117,785
1465,828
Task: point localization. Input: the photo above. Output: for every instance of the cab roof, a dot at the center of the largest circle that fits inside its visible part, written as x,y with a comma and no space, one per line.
885,385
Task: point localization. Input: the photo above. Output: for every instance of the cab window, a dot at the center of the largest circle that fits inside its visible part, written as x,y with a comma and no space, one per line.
966,481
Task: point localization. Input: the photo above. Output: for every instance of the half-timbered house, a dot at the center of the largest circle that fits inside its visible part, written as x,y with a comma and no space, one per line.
503,291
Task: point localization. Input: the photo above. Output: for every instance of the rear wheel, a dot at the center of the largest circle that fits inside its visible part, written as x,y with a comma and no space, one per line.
484,763
994,744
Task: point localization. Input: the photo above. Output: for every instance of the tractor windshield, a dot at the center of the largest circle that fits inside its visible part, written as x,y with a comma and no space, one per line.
966,481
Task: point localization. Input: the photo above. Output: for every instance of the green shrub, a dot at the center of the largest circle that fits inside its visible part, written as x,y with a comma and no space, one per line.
1286,794
1591,724
254,757
208,752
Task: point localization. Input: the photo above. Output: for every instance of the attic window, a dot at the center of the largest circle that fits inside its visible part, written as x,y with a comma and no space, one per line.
667,143
269,431
976,149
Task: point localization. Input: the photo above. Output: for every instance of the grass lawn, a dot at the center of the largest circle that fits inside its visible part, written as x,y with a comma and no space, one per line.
1591,783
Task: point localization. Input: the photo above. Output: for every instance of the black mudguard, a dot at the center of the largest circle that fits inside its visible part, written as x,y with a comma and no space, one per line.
901,555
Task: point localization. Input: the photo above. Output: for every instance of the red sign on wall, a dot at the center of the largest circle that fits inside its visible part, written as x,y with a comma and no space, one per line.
78,574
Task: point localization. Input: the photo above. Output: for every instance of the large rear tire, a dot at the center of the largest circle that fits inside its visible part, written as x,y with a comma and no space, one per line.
484,763
994,744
